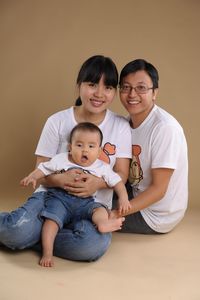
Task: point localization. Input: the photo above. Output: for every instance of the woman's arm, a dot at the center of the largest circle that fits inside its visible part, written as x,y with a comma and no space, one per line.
121,167
81,184
87,184
57,180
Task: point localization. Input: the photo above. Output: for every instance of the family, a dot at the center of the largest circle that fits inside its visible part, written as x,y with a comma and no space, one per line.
86,152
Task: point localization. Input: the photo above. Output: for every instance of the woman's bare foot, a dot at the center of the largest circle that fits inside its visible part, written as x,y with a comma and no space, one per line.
46,261
111,225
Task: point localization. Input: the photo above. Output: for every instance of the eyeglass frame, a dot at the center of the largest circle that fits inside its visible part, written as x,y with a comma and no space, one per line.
135,89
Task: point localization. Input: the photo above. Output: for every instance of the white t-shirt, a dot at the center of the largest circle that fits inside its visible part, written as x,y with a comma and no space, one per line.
159,142
98,168
116,137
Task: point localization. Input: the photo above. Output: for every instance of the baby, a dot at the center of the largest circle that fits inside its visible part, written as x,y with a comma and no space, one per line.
61,207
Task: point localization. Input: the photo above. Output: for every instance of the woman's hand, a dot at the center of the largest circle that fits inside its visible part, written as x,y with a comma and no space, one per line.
62,180
84,185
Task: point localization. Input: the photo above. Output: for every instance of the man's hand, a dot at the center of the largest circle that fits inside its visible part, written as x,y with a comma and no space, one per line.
124,206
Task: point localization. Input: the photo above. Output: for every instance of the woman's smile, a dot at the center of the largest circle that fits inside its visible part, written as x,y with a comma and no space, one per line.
96,102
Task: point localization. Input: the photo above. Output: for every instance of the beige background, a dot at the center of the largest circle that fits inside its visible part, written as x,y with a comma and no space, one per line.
43,44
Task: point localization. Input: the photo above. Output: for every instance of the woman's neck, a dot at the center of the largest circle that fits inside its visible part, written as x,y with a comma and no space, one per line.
81,115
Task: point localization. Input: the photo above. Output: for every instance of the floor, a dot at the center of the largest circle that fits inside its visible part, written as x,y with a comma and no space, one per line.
163,267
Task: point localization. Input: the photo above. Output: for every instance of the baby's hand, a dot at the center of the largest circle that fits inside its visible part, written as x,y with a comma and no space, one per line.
124,206
28,180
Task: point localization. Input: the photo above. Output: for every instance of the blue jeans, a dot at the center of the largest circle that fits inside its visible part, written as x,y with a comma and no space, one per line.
80,241
63,208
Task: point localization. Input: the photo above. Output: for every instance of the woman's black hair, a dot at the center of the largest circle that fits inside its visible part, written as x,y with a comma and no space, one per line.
138,65
93,69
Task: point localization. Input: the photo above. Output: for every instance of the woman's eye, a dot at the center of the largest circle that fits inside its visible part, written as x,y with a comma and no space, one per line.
91,84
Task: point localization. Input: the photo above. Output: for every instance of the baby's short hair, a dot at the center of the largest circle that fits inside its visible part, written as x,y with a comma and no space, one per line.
86,126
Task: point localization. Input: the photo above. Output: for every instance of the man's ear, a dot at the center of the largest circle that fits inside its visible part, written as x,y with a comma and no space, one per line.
155,93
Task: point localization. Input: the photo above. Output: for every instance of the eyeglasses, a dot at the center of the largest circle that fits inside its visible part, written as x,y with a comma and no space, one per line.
139,89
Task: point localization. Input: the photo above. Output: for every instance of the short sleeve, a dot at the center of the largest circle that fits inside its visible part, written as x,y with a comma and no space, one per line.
49,139
124,140
166,146
111,177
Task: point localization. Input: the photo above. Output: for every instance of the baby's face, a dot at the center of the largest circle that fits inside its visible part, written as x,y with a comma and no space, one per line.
85,147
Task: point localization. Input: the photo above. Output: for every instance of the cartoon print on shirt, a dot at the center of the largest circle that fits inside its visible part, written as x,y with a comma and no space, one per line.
107,150
136,173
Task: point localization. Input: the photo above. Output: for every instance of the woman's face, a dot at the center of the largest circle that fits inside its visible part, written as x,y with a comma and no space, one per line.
137,104
96,97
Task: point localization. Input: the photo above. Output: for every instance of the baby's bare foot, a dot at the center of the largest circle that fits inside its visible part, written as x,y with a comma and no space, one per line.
111,225
114,214
46,261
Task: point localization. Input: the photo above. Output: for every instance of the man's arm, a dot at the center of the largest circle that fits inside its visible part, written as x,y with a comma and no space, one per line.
154,193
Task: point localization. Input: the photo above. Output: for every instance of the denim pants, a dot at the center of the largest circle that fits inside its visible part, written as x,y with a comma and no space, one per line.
63,208
80,241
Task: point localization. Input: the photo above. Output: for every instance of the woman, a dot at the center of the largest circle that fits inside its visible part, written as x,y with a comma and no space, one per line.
159,168
97,82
